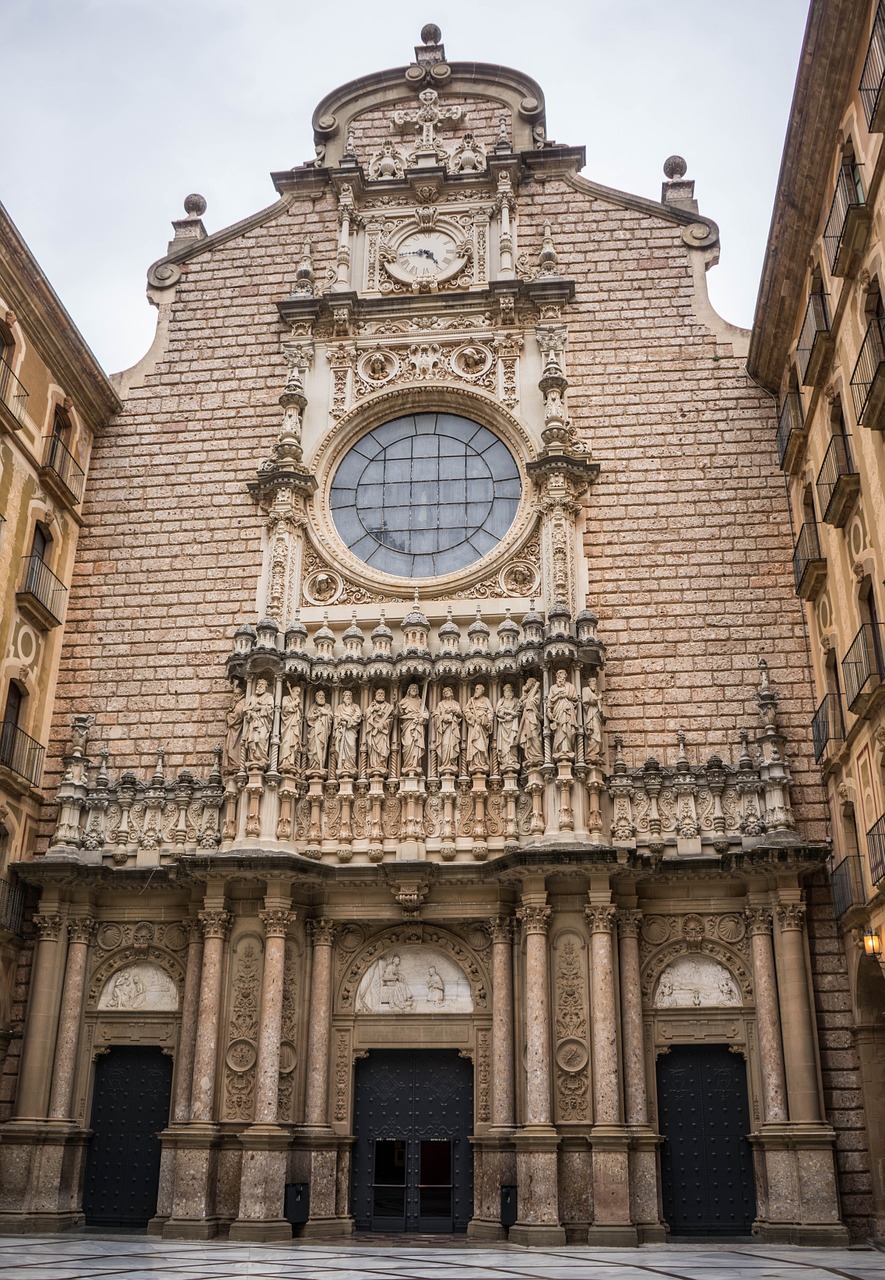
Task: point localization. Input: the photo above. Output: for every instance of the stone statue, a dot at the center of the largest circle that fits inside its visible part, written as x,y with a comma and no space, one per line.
394,986
562,712
233,739
257,724
447,732
319,727
593,721
436,988
529,734
348,718
413,717
480,720
507,714
379,722
291,716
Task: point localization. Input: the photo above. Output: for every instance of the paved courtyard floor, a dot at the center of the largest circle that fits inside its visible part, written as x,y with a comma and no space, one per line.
86,1256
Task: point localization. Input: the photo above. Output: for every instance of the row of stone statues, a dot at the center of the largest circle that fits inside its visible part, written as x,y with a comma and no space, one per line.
478,736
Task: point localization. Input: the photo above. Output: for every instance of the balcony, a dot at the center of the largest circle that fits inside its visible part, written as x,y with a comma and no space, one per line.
868,378
12,901
790,431
61,470
862,667
827,726
809,566
815,345
41,596
13,394
838,484
873,76
849,890
20,754
848,224
876,850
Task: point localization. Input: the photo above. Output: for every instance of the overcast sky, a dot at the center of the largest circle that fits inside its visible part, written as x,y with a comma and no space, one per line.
115,109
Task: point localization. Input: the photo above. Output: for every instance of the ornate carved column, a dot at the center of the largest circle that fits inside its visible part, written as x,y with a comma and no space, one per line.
215,925
798,1021
501,929
80,931
39,1042
768,1025
184,1066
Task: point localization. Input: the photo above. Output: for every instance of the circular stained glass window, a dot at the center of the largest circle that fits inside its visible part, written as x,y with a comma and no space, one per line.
425,494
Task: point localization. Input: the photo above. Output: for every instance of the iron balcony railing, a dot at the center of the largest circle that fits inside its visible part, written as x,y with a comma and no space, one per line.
876,850
849,890
862,666
789,424
827,724
12,393
815,325
846,201
809,565
12,902
838,483
58,458
867,381
20,753
39,581
873,75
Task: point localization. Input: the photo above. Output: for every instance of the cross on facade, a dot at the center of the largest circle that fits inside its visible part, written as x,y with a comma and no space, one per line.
428,117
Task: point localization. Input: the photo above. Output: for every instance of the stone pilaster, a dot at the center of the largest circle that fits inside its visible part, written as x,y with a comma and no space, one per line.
768,1026
40,1032
80,931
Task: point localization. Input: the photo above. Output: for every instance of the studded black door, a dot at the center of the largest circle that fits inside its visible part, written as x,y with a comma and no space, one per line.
706,1162
412,1161
130,1105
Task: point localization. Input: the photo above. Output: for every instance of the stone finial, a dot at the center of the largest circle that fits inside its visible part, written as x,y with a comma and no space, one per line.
304,274
194,205
191,227
431,51
548,259
431,34
675,168
678,190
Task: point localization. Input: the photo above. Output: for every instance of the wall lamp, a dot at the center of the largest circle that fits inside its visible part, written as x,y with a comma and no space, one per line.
872,943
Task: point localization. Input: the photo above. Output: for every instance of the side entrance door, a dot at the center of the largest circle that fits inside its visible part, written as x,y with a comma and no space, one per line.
706,1162
412,1161
130,1105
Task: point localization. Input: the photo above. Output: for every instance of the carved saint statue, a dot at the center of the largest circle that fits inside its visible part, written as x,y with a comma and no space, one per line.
507,714
233,739
413,717
257,724
480,719
291,715
436,988
592,721
562,712
348,718
396,992
447,732
529,735
319,728
379,722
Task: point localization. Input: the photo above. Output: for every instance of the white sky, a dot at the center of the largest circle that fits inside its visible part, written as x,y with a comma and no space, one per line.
115,109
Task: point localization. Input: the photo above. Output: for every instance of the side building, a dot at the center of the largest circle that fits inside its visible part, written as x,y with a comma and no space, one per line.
53,400
819,345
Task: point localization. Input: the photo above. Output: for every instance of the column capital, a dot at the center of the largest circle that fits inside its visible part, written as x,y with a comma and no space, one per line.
535,919
215,924
790,915
758,920
49,927
628,922
322,931
276,921
501,928
81,928
600,918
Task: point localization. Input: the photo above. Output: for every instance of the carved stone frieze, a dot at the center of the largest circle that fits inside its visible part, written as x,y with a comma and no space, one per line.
570,1026
241,1052
483,1076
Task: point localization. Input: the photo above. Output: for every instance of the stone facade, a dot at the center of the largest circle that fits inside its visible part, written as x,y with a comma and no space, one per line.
549,806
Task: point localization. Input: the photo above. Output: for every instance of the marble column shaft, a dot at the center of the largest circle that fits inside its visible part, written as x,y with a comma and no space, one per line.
80,931
535,920
215,928
39,1042
635,1092
317,1094
502,1023
276,921
604,1031
190,1004
798,1022
768,1025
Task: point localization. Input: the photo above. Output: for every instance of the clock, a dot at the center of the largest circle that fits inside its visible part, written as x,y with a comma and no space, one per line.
426,258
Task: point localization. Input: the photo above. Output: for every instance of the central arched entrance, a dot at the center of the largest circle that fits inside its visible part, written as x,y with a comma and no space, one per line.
412,1160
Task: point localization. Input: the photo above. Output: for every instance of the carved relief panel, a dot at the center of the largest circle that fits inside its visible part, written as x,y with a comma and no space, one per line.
571,1029
241,1044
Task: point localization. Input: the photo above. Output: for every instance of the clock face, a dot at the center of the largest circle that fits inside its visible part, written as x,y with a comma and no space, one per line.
425,255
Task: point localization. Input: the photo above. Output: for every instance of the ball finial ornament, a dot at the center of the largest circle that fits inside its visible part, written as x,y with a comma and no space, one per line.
194,205
431,34
675,168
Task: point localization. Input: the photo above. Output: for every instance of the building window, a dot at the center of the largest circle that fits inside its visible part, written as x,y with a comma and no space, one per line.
425,494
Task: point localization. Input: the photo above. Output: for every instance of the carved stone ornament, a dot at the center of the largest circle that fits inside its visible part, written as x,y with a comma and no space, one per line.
790,916
398,940
276,921
414,979
215,923
48,927
534,919
695,982
143,986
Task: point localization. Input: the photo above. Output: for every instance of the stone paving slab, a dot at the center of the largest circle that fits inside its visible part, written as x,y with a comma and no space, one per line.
92,1256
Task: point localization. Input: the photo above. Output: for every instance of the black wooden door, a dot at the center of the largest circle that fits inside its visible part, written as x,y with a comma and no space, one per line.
130,1105
412,1161
706,1162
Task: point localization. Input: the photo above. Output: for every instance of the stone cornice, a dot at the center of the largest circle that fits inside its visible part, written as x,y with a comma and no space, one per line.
824,82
